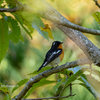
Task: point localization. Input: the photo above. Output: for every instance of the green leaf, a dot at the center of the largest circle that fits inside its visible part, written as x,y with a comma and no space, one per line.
96,15
19,84
7,97
11,3
1,1
15,32
59,83
39,84
27,16
89,89
37,23
73,77
4,39
66,72
4,88
43,69
27,24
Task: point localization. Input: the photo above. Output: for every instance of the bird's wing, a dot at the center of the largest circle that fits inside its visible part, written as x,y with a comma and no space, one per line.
51,55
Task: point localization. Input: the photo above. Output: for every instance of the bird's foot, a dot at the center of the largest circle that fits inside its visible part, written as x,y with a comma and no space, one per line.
52,67
57,65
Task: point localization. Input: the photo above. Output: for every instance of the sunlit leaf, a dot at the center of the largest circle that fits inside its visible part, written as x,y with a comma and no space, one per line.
89,89
37,23
7,97
94,83
96,15
82,76
73,77
59,83
19,84
47,29
39,84
4,39
91,84
4,88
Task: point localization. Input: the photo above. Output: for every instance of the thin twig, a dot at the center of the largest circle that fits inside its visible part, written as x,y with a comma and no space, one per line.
57,96
9,9
18,8
62,90
52,97
96,2
70,89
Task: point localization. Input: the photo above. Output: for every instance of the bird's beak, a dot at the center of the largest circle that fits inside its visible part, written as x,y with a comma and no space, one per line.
61,42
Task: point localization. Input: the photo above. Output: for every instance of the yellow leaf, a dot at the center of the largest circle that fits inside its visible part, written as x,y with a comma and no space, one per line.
47,29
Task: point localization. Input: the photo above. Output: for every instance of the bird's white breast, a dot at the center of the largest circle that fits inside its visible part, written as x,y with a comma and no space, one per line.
55,62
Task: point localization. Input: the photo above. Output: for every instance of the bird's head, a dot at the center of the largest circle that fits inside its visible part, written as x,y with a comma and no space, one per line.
56,44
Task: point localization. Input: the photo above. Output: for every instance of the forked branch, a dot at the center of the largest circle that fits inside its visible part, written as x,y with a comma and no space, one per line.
46,73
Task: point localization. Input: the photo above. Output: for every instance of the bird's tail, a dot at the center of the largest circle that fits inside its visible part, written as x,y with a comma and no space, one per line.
40,68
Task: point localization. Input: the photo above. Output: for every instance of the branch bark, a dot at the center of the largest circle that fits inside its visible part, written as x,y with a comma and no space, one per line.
96,2
37,78
9,9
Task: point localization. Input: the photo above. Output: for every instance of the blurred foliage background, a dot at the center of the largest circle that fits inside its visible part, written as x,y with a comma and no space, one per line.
25,57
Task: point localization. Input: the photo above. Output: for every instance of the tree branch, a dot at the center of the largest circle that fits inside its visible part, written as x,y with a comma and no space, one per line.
82,29
65,22
63,90
70,89
37,78
96,2
46,11
9,9
86,45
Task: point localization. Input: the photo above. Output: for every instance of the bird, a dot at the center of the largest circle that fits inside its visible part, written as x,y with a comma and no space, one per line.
54,56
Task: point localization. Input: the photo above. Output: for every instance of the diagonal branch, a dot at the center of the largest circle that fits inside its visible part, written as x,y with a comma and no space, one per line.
96,2
40,76
23,7
80,28
45,10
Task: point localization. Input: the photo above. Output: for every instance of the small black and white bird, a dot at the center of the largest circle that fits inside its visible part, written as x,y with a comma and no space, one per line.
54,56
